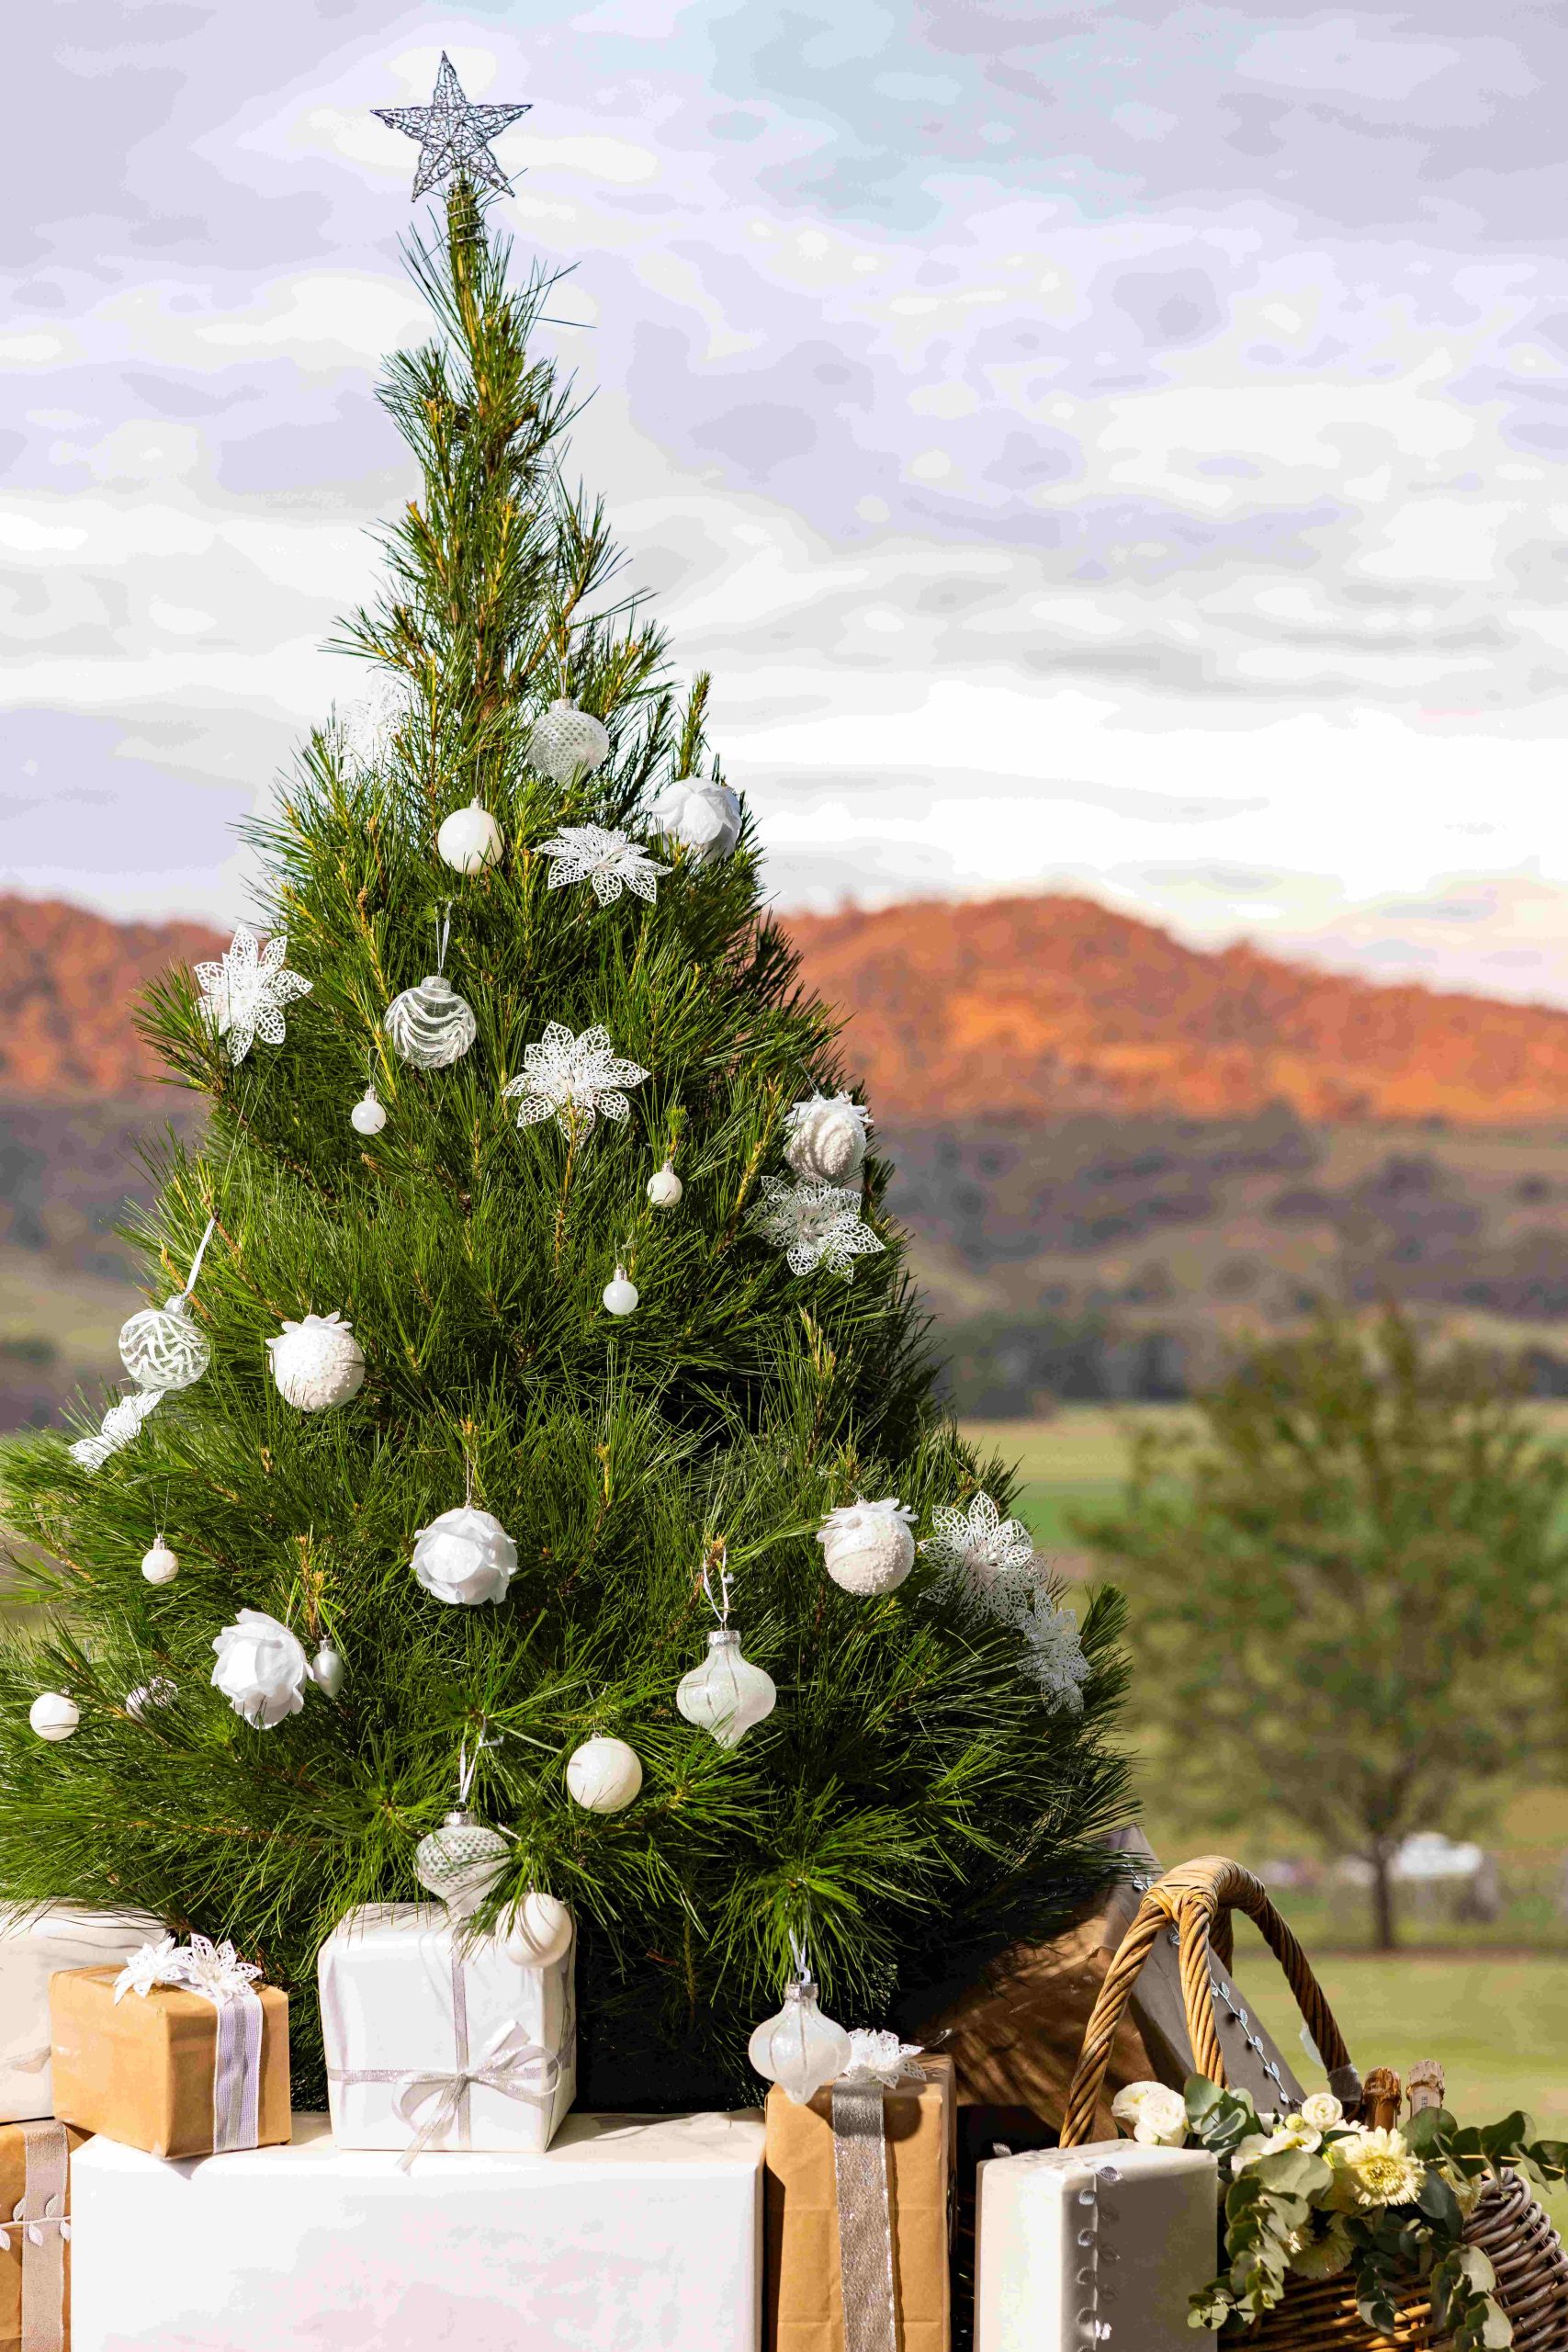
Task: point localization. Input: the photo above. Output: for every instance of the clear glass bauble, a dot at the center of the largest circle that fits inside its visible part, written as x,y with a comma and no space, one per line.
604,1775
160,1565
620,1296
431,1027
460,1862
567,743
799,2049
726,1694
159,1693
665,1188
534,1930
53,1716
368,1116
162,1349
469,838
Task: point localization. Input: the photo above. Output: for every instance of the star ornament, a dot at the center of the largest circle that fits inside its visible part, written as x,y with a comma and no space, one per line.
243,995
454,136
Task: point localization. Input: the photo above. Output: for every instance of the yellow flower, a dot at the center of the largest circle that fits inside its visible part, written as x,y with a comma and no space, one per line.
1375,2168
1321,2258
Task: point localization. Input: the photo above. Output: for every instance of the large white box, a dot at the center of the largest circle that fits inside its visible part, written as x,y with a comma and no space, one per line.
1113,2233
631,2234
33,1945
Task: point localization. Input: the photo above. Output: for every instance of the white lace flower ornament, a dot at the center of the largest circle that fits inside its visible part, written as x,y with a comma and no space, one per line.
978,1548
572,1079
216,1971
1056,1657
159,1963
815,1225
242,996
611,860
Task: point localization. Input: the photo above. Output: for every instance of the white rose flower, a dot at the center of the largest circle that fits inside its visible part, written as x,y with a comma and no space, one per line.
1155,2114
261,1669
1296,2132
1248,2151
1322,2110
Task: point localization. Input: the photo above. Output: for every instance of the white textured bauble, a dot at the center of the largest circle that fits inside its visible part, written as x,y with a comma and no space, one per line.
703,817
470,838
465,1556
567,743
460,1862
261,1669
726,1694
826,1139
868,1547
534,1931
620,1296
431,1027
161,1348
368,1116
54,1716
799,2049
160,1565
159,1693
327,1671
317,1363
665,1188
604,1774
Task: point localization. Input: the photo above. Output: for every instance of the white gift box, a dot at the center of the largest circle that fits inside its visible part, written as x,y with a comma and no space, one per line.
1112,2239
630,2234
33,1945
441,2042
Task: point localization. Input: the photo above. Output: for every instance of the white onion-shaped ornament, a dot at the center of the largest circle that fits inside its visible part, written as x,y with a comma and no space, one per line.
327,1671
161,1348
536,1930
798,2047
827,1139
368,1116
665,1188
160,1565
460,1862
317,1363
604,1774
703,817
567,743
466,1557
469,838
431,1027
726,1694
54,1716
620,1296
159,1693
868,1547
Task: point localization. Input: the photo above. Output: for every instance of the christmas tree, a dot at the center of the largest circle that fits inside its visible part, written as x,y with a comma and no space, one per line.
524,1093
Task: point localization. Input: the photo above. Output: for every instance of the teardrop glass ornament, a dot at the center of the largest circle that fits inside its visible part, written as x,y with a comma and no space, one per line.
726,1694
460,1862
799,2047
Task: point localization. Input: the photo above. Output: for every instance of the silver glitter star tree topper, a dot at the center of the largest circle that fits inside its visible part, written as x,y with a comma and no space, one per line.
454,135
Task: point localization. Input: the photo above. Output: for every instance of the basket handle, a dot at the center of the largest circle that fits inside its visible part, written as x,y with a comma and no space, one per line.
1197,1900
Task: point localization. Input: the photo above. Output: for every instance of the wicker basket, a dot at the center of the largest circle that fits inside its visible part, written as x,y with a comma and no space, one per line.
1194,1905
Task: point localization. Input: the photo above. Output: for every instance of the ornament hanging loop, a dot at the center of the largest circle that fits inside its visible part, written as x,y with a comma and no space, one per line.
200,1254
469,1765
443,934
717,1563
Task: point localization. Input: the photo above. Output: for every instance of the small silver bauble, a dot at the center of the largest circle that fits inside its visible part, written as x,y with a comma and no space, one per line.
726,1694
620,1296
604,1774
567,743
460,1862
160,1565
470,838
536,1930
317,1363
869,1547
161,1348
665,1188
368,1116
54,1716
327,1671
431,1027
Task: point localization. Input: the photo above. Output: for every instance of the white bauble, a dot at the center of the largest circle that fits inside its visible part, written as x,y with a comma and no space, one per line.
703,817
567,743
466,1557
431,1027
261,1669
161,1348
665,1188
317,1363
368,1116
726,1694
460,1862
604,1774
826,1139
868,1547
54,1716
800,2048
470,838
327,1671
534,1931
160,1565
159,1693
620,1296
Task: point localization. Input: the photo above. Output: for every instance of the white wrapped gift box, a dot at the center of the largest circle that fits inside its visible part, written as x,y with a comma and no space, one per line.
630,2234
409,2007
33,1945
1104,2243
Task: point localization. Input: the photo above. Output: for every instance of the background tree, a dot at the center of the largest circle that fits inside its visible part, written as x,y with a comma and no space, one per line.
929,1787
1347,1592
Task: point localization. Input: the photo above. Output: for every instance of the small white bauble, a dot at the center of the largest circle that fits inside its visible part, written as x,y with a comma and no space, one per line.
665,1188
620,1296
317,1363
431,1027
869,1547
827,1138
160,1565
159,1693
470,838
534,1931
567,743
54,1716
368,1116
466,1557
703,817
604,1774
161,1348
327,1671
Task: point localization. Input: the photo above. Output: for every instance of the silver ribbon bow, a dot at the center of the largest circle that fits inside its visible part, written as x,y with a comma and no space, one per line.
879,2063
41,2222
430,2103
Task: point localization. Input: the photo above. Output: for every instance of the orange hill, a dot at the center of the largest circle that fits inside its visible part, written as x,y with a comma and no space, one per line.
69,987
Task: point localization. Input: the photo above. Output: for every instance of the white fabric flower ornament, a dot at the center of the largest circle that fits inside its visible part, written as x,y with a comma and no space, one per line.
262,1670
159,1963
978,1546
572,1079
815,1225
613,861
242,996
878,2056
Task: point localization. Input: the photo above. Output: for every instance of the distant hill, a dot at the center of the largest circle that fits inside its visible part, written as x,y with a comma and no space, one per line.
69,985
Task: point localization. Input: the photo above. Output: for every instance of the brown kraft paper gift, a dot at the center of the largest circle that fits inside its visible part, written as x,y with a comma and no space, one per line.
140,2070
35,2275
804,2303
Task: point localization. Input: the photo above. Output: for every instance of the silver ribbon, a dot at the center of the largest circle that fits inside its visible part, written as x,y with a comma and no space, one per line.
41,2220
865,2213
236,2069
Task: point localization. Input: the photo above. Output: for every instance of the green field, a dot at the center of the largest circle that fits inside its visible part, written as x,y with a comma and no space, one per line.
1075,1460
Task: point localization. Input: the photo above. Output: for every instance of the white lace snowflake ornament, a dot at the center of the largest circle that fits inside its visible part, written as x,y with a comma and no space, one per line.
611,860
815,1225
1056,1658
572,1080
978,1548
216,1971
242,996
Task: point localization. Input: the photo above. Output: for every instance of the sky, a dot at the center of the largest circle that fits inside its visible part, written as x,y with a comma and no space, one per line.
1119,447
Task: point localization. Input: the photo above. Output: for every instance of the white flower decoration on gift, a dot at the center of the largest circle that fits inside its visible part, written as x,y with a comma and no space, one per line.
572,1080
613,861
216,1971
243,995
878,2056
159,1963
815,1225
978,1546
